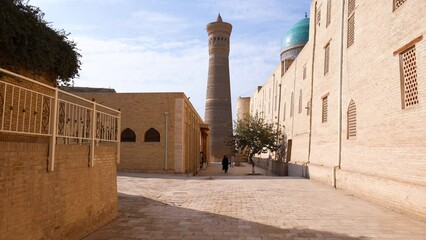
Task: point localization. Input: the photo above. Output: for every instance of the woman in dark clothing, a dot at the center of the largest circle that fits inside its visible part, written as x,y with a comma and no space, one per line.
225,163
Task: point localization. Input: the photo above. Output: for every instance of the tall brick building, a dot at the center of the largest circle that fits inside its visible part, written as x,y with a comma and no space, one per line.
352,99
218,100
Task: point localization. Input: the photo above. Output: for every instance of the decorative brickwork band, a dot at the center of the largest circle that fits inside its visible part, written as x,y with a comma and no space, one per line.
218,112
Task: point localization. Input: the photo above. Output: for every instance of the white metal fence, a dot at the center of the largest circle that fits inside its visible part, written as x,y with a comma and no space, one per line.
29,107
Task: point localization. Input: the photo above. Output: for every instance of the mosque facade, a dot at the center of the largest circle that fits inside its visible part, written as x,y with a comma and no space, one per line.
349,93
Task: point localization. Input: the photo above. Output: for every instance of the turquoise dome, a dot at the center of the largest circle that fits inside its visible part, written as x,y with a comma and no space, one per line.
297,35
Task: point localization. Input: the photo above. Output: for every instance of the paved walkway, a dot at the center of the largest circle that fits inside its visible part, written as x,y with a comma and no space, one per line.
215,169
215,206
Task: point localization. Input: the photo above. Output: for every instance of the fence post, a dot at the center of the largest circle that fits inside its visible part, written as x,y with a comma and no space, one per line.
3,107
118,137
52,144
92,142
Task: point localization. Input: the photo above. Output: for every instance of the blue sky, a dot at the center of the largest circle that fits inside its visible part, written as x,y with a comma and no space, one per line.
161,45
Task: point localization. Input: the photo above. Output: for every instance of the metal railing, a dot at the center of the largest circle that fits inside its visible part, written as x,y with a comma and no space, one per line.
29,107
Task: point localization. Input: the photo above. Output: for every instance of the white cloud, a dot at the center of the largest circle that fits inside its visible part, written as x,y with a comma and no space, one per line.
136,65
79,27
145,50
156,24
155,17
126,66
255,10
57,2
251,64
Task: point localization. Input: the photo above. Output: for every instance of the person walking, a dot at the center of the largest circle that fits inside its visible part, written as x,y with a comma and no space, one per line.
225,162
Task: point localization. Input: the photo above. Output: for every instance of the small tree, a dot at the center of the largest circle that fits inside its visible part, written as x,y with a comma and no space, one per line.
253,135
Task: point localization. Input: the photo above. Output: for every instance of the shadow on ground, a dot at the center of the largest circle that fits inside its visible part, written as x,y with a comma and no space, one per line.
203,176
144,218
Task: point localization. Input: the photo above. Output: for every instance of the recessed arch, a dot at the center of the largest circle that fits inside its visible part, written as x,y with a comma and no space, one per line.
152,135
128,135
351,122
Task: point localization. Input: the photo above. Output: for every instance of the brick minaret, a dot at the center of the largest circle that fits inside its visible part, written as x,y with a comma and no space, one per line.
218,112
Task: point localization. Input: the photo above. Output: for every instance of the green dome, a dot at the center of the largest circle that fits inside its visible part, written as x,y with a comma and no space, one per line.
297,35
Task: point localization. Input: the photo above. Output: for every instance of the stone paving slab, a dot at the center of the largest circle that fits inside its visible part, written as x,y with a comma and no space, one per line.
215,206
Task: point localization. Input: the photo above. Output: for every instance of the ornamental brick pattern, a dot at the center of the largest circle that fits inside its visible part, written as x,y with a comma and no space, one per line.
218,113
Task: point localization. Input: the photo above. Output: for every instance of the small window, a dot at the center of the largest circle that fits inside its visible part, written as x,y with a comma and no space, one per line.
285,108
292,105
308,108
398,3
409,89
351,23
300,102
304,72
275,103
319,16
328,20
152,135
326,58
351,30
282,68
351,7
324,109
128,135
351,120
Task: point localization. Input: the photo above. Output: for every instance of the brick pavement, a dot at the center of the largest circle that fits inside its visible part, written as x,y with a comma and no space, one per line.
215,206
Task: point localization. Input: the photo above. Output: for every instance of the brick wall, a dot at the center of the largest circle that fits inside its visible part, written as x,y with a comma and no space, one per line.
275,167
385,161
142,111
399,195
68,203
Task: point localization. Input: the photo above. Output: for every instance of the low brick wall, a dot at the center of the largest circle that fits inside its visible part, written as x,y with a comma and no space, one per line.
68,203
399,195
320,173
403,196
276,167
294,169
298,169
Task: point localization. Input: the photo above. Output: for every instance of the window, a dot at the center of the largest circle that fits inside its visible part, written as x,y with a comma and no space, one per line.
326,58
351,23
324,109
152,135
319,16
269,101
292,105
351,30
328,20
398,3
128,135
351,120
275,103
300,102
285,107
351,7
304,72
282,68
308,108
408,65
